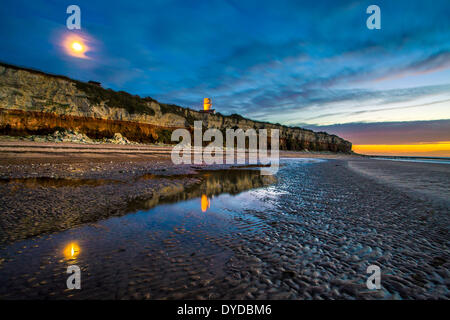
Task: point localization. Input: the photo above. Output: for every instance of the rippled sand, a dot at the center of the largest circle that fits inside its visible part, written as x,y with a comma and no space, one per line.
428,181
308,235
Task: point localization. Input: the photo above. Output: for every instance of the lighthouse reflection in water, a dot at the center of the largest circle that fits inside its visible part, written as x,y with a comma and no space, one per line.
205,203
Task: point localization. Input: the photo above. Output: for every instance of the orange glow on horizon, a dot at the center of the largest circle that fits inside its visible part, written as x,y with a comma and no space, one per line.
437,149
205,203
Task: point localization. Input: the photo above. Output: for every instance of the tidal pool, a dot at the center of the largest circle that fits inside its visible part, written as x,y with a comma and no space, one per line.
161,242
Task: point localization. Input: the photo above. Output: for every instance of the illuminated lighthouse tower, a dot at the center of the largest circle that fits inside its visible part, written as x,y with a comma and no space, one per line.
207,106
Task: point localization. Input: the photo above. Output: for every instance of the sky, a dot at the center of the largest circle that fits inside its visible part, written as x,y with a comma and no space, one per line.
312,64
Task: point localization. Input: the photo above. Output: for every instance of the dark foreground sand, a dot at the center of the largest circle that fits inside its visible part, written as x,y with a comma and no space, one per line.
310,235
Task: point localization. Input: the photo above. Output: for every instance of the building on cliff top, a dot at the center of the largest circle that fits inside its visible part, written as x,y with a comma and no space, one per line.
207,106
95,83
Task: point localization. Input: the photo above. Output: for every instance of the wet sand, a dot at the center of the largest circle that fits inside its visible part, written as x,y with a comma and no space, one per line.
191,234
427,181
48,187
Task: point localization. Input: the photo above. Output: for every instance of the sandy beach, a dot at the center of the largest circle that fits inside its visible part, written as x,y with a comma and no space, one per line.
150,230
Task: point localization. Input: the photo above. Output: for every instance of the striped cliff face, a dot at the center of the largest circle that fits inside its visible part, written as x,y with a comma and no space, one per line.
19,123
32,102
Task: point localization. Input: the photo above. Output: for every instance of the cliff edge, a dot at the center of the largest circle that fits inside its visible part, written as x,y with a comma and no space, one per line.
33,102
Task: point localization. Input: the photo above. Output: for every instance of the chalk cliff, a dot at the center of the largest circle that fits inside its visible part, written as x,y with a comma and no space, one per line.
33,102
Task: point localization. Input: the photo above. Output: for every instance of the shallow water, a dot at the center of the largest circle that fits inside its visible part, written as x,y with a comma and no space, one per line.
168,237
311,234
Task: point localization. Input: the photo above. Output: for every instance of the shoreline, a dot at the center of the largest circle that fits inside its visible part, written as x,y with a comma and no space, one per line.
51,187
72,175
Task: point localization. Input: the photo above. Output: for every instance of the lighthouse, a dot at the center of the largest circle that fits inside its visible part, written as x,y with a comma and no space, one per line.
207,104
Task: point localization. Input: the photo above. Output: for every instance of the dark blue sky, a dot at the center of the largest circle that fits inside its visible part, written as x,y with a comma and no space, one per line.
308,63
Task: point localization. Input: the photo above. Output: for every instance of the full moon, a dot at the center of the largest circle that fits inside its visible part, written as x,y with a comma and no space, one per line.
76,46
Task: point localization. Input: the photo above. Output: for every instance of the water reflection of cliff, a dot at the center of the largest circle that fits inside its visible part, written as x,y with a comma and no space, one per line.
213,183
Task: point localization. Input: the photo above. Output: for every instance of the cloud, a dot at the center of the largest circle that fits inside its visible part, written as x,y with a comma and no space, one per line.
390,132
435,62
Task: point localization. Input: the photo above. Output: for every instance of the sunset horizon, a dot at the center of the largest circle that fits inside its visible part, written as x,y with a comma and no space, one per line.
436,149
